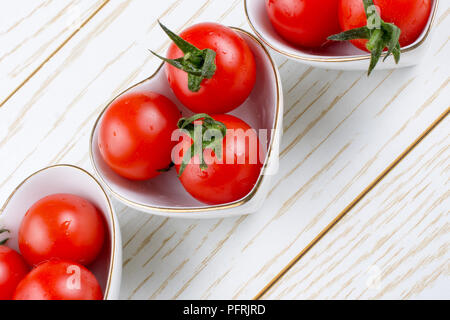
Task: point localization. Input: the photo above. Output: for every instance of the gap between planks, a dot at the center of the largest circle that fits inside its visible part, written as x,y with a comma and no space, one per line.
39,67
352,204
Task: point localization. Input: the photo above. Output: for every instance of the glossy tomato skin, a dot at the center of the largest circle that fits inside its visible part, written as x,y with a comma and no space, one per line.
135,134
63,226
12,270
305,23
224,182
59,280
411,16
235,75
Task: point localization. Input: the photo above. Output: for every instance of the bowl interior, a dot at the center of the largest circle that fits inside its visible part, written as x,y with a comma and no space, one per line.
61,179
165,191
260,22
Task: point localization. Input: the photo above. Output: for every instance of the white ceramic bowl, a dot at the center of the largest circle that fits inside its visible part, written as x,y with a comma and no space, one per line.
164,195
69,179
339,55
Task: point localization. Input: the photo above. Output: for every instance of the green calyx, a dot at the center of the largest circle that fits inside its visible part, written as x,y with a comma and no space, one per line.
380,35
5,240
199,64
206,133
167,169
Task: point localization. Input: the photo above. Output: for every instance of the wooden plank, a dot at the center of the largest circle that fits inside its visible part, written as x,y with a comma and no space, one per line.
394,244
341,131
31,31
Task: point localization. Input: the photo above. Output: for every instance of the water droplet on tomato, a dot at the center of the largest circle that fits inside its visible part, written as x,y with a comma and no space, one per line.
65,226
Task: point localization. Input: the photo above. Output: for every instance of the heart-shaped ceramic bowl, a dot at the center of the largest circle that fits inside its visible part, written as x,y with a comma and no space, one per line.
70,179
164,195
339,55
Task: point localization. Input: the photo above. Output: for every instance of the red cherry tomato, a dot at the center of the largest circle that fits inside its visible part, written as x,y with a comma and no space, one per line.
411,16
12,270
61,226
235,73
305,23
59,280
135,134
224,182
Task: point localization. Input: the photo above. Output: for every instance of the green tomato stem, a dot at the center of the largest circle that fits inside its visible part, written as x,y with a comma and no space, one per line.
198,64
207,135
5,240
380,35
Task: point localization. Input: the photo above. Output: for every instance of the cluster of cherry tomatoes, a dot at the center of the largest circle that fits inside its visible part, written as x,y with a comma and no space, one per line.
312,23
309,23
212,71
59,236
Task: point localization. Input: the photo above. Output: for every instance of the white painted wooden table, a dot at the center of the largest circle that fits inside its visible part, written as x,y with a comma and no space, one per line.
359,208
